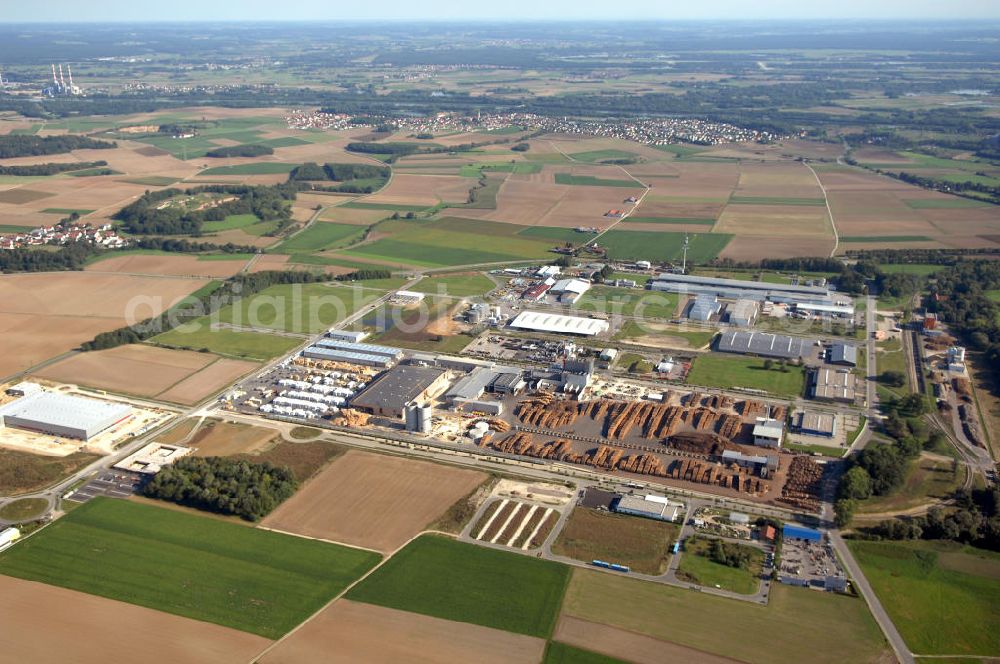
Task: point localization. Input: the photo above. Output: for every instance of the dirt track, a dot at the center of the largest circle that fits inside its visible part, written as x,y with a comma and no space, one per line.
351,632
371,500
43,624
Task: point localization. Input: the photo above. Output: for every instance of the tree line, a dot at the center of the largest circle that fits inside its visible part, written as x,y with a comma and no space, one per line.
223,485
974,519
348,175
38,170
959,297
12,145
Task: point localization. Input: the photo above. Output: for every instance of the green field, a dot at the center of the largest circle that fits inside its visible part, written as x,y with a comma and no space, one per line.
153,181
517,168
556,234
666,246
230,222
920,582
23,509
308,308
486,196
776,200
700,221
628,302
724,371
202,568
560,653
440,577
199,335
591,181
597,156
451,241
695,338
919,269
884,238
456,285
696,567
926,479
642,544
66,211
321,235
798,625
260,168
943,203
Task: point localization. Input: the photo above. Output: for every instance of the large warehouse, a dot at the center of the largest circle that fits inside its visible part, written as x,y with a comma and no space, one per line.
763,344
545,322
389,394
737,289
63,415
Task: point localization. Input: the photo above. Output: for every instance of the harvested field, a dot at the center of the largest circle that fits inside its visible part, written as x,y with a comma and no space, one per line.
174,265
21,196
789,220
751,248
221,438
641,649
45,624
642,544
428,190
374,501
351,632
134,369
46,314
213,378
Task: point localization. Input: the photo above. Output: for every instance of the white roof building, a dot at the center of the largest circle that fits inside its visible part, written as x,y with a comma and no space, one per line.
63,414
546,322
768,433
547,271
571,286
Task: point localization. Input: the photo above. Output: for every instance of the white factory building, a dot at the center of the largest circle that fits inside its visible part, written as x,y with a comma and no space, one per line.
546,322
63,415
570,290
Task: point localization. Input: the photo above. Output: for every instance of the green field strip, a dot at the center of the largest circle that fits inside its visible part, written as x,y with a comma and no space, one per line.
591,181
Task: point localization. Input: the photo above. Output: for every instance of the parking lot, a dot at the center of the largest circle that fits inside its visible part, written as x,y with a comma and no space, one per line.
109,483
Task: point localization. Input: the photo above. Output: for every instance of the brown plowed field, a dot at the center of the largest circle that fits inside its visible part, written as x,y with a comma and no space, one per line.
181,266
43,315
43,624
640,649
211,379
351,632
747,248
374,501
424,190
142,370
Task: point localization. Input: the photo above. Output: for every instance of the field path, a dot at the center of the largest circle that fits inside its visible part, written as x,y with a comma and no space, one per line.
829,212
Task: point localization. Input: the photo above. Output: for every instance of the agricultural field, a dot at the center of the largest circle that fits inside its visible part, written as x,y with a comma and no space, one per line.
300,308
128,262
46,624
515,524
917,582
465,284
662,246
248,579
593,643
374,501
448,241
440,577
696,567
727,372
357,632
47,314
200,335
146,371
840,629
321,235
222,438
642,544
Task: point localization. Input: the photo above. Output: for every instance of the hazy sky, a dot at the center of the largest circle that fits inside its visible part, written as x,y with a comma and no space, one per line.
215,10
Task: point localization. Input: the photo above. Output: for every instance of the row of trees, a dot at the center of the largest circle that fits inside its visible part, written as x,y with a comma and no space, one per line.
37,170
146,216
973,519
240,151
231,290
224,485
14,145
354,178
